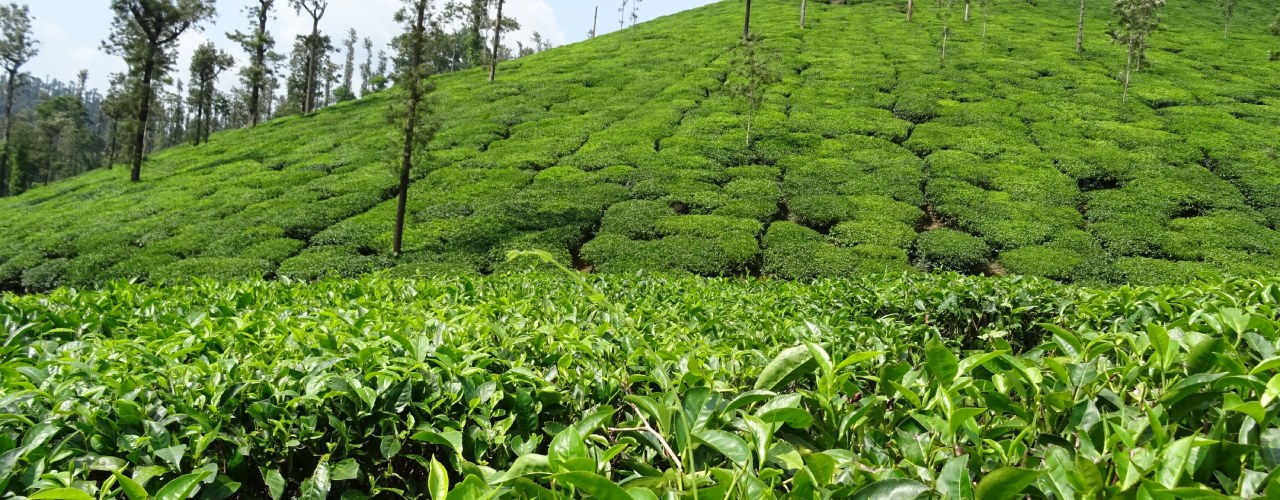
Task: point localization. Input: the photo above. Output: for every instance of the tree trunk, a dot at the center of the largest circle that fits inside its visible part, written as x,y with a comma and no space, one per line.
195,133
8,130
946,34
144,112
804,4
1128,65
207,129
411,123
910,9
497,40
1226,29
313,56
1080,30
115,139
595,22
260,63
966,11
746,25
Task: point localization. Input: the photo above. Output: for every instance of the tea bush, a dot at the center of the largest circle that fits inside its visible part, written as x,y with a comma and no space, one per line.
909,386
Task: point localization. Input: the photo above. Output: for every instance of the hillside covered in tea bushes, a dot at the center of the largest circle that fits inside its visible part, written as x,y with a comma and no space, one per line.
871,153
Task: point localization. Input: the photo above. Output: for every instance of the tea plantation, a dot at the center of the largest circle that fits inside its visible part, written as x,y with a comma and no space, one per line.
984,277
536,387
627,153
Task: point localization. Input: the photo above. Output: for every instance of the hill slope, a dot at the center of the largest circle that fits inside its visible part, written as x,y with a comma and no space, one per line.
626,152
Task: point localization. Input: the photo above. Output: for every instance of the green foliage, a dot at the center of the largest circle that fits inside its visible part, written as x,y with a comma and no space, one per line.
946,249
940,385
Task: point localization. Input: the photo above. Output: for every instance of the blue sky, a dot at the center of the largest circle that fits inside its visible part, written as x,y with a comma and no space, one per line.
71,31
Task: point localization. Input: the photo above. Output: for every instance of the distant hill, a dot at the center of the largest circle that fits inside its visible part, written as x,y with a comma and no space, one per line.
627,153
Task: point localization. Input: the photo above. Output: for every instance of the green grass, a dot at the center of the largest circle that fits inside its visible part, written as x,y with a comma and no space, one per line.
597,152
631,387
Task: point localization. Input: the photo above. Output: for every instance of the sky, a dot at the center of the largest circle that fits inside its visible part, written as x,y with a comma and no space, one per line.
71,31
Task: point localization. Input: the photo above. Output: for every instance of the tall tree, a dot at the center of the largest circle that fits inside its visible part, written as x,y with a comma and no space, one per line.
82,83
16,48
258,44
116,109
1137,19
477,14
497,43
804,7
66,145
349,69
366,69
145,33
911,9
316,46
414,78
752,73
207,63
595,21
1080,30
746,25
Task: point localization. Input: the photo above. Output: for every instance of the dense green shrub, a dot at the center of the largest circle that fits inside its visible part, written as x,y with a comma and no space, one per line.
220,268
319,262
947,249
635,219
873,232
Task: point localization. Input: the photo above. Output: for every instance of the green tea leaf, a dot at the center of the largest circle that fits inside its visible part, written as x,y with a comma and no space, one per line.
275,483
1173,461
1004,483
729,445
471,488
173,455
954,482
437,480
567,445
221,488
788,366
183,487
891,489
594,485
131,488
345,470
61,494
1067,342
942,363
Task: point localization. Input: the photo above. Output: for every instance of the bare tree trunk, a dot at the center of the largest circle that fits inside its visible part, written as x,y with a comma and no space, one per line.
946,34
411,123
259,62
910,9
746,25
8,131
144,113
1080,30
966,11
595,22
312,61
497,40
804,4
115,139
1226,29
1128,65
